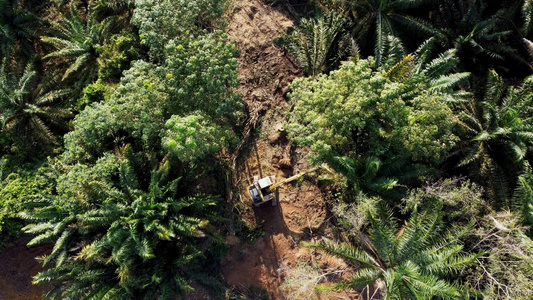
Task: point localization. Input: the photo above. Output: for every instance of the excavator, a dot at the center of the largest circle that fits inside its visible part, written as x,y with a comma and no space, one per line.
263,190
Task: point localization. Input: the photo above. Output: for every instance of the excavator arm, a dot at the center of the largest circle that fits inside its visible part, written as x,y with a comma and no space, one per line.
292,178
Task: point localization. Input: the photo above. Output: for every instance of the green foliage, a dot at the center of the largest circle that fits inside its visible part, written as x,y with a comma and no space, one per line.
69,178
498,134
79,44
19,184
462,200
16,188
414,263
121,240
197,77
135,110
116,55
193,137
28,111
249,233
329,111
18,30
319,43
201,74
391,119
94,93
163,20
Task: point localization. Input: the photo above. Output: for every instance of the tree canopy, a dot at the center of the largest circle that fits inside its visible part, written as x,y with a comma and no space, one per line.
125,142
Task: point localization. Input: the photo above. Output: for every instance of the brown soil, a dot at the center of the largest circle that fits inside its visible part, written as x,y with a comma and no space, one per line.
266,70
19,264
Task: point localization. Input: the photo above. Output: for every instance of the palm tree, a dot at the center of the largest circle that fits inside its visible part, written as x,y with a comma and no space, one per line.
27,112
415,262
80,44
481,41
17,29
376,21
124,241
319,43
499,134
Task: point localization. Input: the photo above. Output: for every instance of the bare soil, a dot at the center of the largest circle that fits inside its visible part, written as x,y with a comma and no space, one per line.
18,264
266,70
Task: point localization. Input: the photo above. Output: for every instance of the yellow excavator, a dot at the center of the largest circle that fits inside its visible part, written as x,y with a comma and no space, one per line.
263,190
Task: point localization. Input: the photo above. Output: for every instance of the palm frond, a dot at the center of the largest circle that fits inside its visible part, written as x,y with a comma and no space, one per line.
440,65
359,279
382,233
447,82
346,252
344,165
499,183
128,179
417,234
527,13
523,198
393,50
400,69
426,286
423,53
494,88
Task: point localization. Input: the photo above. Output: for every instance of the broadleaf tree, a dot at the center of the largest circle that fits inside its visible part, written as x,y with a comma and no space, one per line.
399,116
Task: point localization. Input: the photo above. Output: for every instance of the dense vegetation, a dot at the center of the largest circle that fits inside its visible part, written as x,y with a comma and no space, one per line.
114,115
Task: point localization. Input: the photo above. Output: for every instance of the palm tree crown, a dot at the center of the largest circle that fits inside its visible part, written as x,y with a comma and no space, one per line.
379,20
26,111
123,242
499,133
413,263
319,43
17,27
478,39
80,43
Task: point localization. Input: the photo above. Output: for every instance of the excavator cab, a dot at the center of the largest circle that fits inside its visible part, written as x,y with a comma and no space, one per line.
260,190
